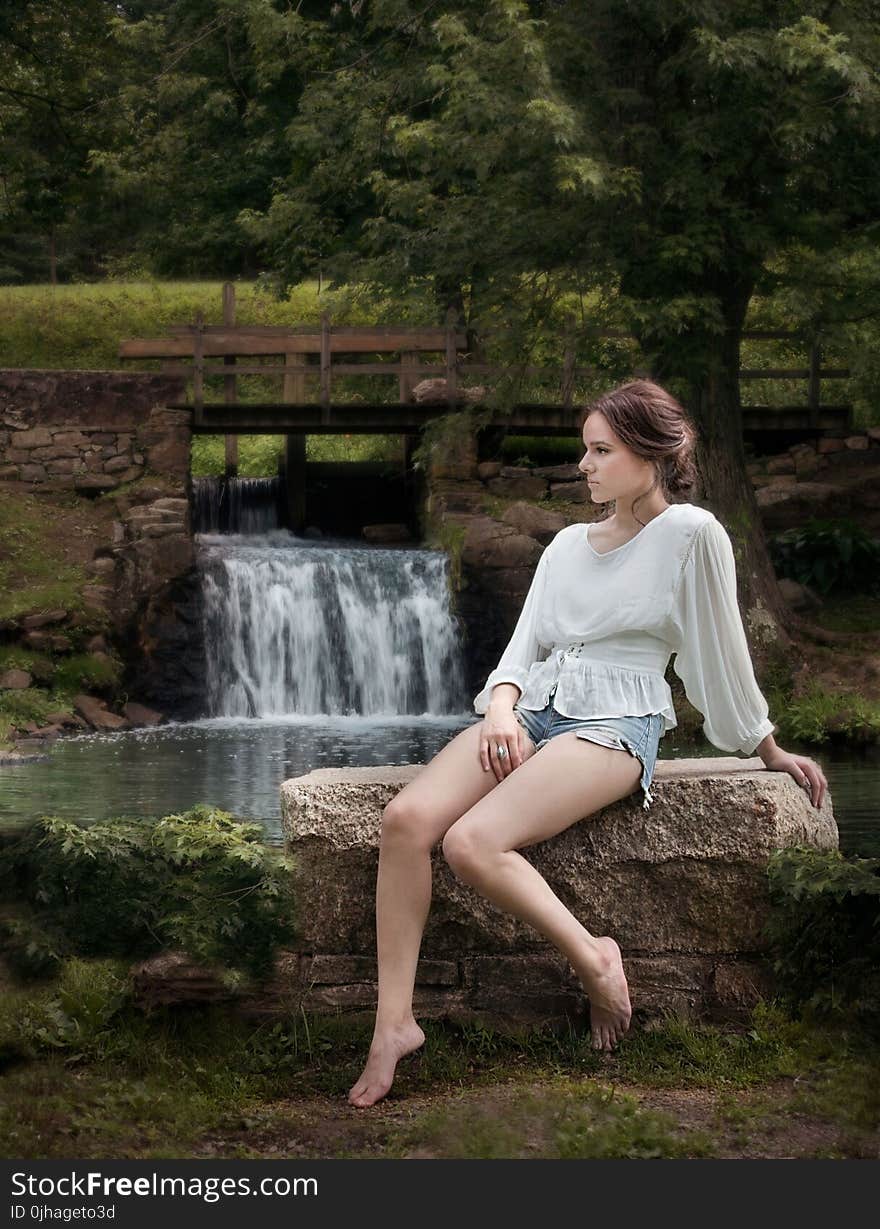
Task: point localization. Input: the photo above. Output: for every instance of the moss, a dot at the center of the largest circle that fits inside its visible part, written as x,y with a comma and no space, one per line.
449,537
15,657
27,704
85,671
34,573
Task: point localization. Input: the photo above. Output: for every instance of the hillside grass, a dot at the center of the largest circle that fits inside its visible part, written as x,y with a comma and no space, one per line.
79,327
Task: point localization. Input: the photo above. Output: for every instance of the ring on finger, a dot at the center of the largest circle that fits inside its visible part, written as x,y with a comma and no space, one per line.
501,752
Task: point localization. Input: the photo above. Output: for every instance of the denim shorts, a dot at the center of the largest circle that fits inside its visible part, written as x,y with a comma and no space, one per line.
640,736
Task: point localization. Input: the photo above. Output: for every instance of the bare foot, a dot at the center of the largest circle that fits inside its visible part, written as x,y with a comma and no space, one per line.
607,990
386,1051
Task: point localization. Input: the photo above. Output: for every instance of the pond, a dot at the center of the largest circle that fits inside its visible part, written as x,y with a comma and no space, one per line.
238,764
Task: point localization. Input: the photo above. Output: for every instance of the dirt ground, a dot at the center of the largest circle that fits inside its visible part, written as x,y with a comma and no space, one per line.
757,1125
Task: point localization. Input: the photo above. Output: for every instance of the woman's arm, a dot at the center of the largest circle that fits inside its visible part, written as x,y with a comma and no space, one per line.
714,663
523,649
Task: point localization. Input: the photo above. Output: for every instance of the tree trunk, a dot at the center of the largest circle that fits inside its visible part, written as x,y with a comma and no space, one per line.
714,404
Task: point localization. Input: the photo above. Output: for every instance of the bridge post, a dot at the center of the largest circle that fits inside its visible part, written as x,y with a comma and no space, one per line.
294,459
230,391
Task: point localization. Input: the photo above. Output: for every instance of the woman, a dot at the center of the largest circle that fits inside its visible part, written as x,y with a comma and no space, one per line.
574,712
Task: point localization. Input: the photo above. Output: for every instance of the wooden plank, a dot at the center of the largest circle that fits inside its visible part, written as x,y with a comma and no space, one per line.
198,380
293,390
217,344
230,384
568,359
409,363
813,382
325,366
793,373
368,332
451,358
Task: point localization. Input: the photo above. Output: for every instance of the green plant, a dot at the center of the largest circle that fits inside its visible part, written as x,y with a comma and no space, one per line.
442,437
829,555
198,881
84,671
824,931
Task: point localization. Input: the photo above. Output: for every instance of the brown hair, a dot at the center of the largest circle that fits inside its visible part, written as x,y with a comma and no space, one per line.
656,428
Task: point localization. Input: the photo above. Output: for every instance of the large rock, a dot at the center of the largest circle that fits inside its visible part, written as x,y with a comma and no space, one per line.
140,715
535,522
682,886
97,714
489,544
15,680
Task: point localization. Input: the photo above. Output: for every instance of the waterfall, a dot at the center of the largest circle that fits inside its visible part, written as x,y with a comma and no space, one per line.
235,505
293,626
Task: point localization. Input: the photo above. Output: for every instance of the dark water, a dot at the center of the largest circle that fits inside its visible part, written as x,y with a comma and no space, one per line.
239,765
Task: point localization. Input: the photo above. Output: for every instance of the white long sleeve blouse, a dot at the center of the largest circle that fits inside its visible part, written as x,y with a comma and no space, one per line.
600,628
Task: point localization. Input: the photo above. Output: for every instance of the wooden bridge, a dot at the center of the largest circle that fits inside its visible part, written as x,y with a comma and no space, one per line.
309,363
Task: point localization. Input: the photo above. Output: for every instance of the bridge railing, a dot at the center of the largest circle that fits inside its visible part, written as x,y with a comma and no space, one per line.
306,353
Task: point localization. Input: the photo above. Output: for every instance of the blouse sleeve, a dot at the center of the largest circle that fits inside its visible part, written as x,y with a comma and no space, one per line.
524,647
712,657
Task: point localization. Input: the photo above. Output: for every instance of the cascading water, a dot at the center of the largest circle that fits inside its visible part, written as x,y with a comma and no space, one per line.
293,626
235,505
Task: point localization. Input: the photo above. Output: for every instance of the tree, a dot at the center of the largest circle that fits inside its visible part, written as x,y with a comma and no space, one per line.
54,65
670,152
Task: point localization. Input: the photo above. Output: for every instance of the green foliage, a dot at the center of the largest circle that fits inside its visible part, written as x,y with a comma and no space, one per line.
198,881
835,555
824,931
817,716
15,657
84,671
27,704
73,1016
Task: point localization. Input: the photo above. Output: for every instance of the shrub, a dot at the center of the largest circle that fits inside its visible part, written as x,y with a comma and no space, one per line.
123,888
824,931
829,555
84,672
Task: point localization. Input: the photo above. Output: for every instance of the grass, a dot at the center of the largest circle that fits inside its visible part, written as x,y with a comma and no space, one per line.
33,574
84,1073
820,714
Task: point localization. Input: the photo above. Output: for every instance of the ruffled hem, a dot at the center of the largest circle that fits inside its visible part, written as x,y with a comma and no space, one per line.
597,689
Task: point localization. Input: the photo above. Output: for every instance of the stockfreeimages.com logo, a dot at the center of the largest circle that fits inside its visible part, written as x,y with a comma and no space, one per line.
210,1190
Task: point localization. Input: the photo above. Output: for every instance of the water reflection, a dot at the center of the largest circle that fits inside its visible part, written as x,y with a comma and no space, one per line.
239,765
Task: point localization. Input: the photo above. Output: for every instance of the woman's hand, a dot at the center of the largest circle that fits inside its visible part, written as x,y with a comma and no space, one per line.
501,732
806,772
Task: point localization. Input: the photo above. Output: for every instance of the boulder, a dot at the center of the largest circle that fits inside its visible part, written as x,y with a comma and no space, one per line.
97,714
140,715
522,487
682,886
489,544
797,596
574,492
568,472
539,523
43,618
386,533
432,390
15,680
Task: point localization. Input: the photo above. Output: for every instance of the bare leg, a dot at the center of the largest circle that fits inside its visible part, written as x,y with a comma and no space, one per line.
567,780
413,822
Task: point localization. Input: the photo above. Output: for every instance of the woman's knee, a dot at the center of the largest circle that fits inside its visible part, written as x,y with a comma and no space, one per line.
461,850
405,819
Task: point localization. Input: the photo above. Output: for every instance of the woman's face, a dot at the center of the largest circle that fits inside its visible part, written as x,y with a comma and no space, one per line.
612,469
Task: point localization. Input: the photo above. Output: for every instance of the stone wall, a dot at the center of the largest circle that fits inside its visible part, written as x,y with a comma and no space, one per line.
91,431
682,887
111,434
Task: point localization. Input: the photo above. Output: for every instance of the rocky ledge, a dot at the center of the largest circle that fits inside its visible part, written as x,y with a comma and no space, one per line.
682,886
